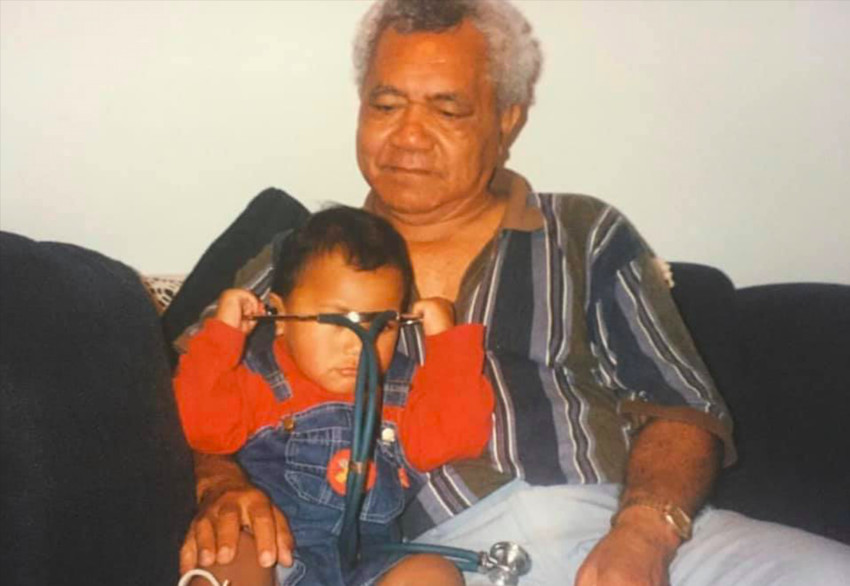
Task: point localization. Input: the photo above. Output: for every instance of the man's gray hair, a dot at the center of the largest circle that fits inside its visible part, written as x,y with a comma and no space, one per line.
514,54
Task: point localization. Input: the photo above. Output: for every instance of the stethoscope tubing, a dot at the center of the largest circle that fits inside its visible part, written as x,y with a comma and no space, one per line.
366,409
365,417
466,560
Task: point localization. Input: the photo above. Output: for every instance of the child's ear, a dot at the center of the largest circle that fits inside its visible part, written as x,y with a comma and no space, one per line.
277,303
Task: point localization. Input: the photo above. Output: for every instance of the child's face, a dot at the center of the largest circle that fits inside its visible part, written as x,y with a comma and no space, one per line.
328,354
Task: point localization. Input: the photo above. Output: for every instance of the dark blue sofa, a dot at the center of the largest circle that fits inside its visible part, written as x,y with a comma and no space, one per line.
97,481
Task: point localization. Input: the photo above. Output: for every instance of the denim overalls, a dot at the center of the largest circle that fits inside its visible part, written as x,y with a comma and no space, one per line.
290,463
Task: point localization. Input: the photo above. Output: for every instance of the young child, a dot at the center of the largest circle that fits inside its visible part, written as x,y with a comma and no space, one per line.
286,409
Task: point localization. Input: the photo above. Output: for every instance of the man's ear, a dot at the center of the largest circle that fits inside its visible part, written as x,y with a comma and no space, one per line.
277,303
510,123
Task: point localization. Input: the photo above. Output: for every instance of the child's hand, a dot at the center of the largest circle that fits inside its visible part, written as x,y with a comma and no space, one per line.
438,314
236,307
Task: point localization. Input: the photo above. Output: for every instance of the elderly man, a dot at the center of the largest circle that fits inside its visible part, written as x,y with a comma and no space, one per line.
608,429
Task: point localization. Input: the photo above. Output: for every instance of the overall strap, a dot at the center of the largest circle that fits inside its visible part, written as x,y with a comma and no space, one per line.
397,380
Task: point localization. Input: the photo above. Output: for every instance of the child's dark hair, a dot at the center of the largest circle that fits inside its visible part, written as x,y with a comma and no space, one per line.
367,242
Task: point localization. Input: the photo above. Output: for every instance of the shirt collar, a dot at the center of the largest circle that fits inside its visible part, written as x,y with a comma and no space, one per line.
521,213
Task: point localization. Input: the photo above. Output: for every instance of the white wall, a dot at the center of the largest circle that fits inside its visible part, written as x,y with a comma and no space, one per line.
141,129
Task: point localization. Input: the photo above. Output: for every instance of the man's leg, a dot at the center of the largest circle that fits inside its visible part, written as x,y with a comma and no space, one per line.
559,525
729,548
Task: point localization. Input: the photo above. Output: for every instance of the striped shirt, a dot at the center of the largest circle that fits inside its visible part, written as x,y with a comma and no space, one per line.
583,345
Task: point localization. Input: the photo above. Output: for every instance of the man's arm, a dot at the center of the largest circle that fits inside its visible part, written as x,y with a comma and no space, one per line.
227,505
670,462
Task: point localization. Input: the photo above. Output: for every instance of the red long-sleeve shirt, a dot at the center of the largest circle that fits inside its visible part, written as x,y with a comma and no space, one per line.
447,415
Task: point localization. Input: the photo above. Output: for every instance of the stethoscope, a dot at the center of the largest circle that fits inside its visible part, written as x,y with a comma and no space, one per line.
503,564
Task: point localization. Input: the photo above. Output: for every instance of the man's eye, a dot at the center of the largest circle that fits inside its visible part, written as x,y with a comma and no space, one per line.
452,111
384,107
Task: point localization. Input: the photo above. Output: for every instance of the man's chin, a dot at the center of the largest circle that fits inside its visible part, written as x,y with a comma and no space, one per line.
407,197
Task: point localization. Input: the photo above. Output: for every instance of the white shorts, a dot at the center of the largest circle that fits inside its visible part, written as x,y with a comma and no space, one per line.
559,525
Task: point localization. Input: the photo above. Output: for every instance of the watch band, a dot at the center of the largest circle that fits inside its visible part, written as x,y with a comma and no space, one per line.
672,514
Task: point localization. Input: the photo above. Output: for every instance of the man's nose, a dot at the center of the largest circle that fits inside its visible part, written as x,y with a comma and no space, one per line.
413,131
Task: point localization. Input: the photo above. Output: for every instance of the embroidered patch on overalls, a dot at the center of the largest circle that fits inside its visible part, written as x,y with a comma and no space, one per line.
337,473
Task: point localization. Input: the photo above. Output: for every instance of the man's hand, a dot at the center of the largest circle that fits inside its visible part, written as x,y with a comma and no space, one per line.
637,552
228,505
671,462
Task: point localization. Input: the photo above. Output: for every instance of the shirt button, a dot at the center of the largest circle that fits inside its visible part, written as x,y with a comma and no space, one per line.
388,435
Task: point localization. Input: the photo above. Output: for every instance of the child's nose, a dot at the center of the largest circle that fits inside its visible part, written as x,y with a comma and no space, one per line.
350,343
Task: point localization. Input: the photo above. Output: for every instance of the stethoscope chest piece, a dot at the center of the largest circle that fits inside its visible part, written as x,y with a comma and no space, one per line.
505,563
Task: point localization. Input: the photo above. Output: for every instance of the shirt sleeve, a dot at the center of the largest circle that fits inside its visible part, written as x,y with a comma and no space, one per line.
213,390
450,407
645,352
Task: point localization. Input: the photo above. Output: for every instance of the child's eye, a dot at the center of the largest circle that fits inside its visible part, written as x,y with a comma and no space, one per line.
387,327
390,326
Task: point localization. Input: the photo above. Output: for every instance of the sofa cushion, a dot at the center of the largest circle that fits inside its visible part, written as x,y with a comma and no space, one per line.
97,478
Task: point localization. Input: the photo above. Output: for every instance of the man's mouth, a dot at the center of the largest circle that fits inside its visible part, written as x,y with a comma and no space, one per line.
408,170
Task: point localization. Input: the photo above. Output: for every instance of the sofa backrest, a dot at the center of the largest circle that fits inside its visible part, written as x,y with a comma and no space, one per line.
780,355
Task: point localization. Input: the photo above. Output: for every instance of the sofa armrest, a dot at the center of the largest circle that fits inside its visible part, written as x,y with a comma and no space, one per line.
97,478
780,356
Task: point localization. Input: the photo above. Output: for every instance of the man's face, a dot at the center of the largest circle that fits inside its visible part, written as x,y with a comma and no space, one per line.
429,130
329,354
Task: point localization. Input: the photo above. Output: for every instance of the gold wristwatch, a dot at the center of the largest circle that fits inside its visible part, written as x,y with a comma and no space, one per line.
672,514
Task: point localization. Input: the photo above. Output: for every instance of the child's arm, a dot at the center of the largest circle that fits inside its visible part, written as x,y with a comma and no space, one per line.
211,390
449,411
